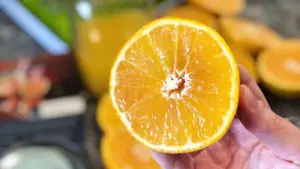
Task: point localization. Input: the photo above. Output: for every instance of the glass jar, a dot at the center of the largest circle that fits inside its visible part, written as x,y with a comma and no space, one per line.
102,27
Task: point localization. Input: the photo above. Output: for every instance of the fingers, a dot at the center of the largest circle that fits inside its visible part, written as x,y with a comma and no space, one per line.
278,134
173,161
250,82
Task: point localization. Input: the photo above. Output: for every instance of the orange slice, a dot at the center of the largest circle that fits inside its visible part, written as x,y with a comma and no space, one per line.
244,58
121,151
191,12
251,35
290,43
221,7
279,69
175,85
107,118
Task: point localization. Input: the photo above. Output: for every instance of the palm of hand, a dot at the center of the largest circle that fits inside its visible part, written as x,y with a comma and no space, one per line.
239,149
257,139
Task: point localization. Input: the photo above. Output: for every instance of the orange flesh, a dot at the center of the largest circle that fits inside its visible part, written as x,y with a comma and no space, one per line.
127,154
175,116
107,117
283,64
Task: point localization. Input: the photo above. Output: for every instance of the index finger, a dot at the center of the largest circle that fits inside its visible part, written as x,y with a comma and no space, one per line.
250,82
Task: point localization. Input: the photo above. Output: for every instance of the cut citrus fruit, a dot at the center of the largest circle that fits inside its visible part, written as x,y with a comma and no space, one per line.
191,12
244,58
221,7
121,151
290,43
279,69
107,117
175,86
253,36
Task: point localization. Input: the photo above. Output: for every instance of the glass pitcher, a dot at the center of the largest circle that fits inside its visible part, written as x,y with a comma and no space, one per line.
102,27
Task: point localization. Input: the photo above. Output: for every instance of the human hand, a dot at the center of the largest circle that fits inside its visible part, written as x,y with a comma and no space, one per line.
257,139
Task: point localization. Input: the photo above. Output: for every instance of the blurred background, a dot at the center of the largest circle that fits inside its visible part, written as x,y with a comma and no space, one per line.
56,56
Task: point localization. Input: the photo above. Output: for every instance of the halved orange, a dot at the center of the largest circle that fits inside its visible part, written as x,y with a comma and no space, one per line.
175,85
244,58
290,43
279,69
252,35
121,151
191,12
221,7
107,118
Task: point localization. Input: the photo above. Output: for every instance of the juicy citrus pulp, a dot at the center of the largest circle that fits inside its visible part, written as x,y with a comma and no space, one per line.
107,117
191,12
120,151
251,35
280,69
221,7
175,86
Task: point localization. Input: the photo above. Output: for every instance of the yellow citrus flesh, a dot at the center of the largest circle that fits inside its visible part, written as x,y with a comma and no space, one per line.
191,12
175,85
253,36
280,69
221,7
121,151
244,58
107,117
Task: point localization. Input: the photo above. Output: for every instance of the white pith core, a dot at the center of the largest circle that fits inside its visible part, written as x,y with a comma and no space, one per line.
176,85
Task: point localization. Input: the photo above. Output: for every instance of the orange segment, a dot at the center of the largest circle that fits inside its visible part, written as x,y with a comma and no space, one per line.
251,35
280,69
187,98
221,7
244,58
290,43
107,117
191,12
121,151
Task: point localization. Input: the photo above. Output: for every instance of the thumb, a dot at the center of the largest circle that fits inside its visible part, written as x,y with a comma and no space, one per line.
173,161
281,136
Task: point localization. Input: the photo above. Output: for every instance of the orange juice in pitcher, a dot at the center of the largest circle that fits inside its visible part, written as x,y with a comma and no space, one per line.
100,34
